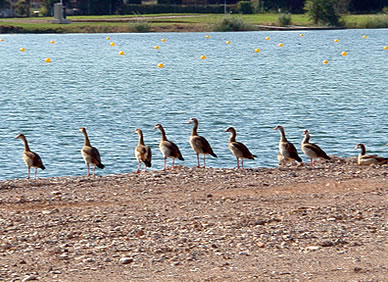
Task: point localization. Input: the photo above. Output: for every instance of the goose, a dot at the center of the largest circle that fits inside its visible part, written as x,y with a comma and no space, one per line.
312,151
90,154
287,150
199,143
142,152
238,149
364,159
30,158
168,148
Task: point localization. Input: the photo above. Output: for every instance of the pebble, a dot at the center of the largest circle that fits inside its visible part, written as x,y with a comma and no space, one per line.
126,260
30,278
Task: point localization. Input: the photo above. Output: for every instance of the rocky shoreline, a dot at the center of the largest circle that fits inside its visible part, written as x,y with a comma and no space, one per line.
195,224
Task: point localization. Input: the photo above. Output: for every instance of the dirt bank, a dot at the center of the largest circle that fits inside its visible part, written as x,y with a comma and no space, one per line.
326,223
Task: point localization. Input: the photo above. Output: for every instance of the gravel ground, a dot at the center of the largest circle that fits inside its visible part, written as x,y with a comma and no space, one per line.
195,224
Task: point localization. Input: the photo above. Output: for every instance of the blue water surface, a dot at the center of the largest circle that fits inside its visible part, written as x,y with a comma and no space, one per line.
89,84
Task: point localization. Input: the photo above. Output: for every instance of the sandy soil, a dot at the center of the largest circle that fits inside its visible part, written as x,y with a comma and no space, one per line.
195,224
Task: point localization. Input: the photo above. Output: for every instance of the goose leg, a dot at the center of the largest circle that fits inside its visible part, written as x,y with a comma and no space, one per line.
173,163
238,163
204,162
88,169
36,172
28,170
198,164
138,168
145,167
165,164
94,170
311,162
242,163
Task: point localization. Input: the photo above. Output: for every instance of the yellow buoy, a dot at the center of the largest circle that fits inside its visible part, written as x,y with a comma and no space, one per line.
203,57
122,53
207,36
163,40
227,42
325,62
267,38
22,49
344,53
364,36
336,40
301,35
112,44
257,50
385,47
280,44
160,66
52,41
47,60
108,38
156,47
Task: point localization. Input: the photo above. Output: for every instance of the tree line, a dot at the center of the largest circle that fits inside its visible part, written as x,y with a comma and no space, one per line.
106,7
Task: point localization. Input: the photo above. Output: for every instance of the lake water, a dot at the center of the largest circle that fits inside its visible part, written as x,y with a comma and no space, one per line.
89,84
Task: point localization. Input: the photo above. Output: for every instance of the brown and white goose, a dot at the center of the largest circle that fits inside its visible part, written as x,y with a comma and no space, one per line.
30,158
142,152
199,143
311,150
238,149
287,150
168,148
90,154
364,159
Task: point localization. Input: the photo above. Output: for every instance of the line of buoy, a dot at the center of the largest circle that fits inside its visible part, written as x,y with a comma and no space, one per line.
227,42
160,66
112,44
121,53
52,42
47,60
203,57
257,50
22,49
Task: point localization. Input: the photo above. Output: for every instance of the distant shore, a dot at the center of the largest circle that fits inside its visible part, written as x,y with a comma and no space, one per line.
174,23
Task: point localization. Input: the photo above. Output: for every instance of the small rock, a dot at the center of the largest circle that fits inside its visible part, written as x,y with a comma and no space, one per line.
313,248
30,278
126,260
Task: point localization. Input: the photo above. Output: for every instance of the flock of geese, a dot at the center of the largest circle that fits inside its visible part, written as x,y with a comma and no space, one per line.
288,153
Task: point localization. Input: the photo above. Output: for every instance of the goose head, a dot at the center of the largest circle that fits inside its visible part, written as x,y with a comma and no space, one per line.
230,129
192,120
20,136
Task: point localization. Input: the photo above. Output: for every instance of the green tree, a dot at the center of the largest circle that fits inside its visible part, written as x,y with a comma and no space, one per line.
22,8
323,12
4,4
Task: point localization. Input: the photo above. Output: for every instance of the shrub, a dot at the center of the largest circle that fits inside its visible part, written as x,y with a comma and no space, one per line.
323,12
139,26
284,19
244,7
232,23
21,8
